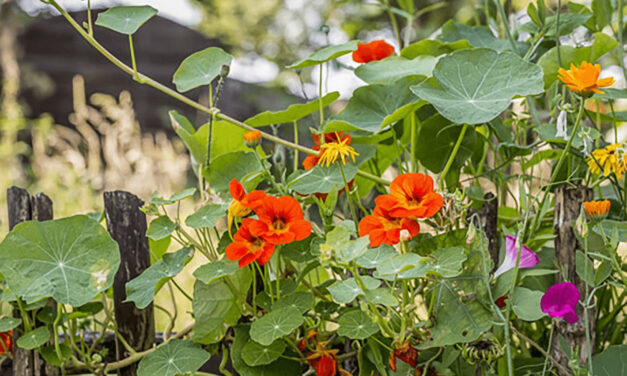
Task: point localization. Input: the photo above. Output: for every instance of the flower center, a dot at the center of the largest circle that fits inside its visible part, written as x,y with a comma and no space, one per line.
278,224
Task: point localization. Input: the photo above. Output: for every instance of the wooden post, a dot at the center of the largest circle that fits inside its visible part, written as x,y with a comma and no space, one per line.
127,225
568,203
22,207
488,215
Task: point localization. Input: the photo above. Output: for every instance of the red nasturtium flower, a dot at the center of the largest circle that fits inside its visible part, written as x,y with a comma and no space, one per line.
6,339
375,50
404,352
383,228
281,221
411,195
502,301
242,203
247,247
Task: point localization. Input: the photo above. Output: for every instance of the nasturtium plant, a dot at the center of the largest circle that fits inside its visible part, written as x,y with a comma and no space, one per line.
460,210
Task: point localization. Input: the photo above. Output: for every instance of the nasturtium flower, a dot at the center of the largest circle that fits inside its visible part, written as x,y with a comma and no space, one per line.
372,51
528,258
332,151
6,342
411,196
312,160
560,300
597,210
242,203
247,247
584,79
252,139
281,221
405,352
324,362
383,228
611,158
501,301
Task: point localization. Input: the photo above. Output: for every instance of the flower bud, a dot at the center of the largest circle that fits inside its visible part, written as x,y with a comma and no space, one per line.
404,235
252,139
582,225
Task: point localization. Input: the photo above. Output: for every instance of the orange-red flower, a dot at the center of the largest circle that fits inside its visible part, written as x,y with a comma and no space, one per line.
404,352
383,228
411,195
375,50
242,203
323,360
338,137
6,342
252,139
502,301
584,79
281,221
247,247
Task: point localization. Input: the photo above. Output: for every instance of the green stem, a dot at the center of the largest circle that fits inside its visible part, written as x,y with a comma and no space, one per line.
506,25
397,34
548,349
321,107
413,130
55,329
276,185
451,158
181,290
89,21
621,45
585,313
278,272
348,196
296,142
557,32
133,61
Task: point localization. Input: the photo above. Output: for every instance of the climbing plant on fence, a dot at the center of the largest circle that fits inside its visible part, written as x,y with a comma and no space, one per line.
490,246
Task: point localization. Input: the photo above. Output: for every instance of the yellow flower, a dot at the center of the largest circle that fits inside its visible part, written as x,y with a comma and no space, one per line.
584,79
596,210
331,151
611,158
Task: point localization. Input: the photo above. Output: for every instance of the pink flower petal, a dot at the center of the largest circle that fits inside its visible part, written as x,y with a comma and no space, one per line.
528,258
560,300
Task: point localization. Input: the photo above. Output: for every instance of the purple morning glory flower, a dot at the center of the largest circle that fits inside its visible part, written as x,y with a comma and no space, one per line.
560,300
528,258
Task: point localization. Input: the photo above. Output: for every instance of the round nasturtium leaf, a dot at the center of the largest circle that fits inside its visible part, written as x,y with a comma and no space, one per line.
255,354
275,324
200,68
177,357
70,259
126,19
34,338
474,86
8,323
356,325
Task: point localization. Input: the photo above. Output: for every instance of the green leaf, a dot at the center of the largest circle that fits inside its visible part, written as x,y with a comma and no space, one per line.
293,113
612,94
602,272
156,200
356,325
432,47
177,357
477,36
34,338
255,354
475,86
160,227
322,179
568,23
526,304
585,268
280,367
49,353
375,256
406,266
225,138
215,305
325,54
381,296
393,68
195,141
142,289
448,262
216,270
374,107
125,19
603,11
47,315
70,259
338,243
602,44
611,362
200,68
9,323
610,226
302,301
207,216
240,165
347,290
275,324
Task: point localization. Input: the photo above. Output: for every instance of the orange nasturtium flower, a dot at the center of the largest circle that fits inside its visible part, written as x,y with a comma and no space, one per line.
404,352
242,203
596,210
247,247
281,221
411,195
252,139
332,151
312,160
611,158
6,342
383,228
584,79
375,50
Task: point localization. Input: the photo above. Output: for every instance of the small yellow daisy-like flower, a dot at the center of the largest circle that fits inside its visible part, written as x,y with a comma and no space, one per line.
331,151
596,210
584,79
611,158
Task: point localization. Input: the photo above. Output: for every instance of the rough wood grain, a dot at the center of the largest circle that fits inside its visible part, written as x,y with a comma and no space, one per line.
127,225
568,203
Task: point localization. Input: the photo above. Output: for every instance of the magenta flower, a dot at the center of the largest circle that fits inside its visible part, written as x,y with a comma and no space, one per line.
528,258
560,300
